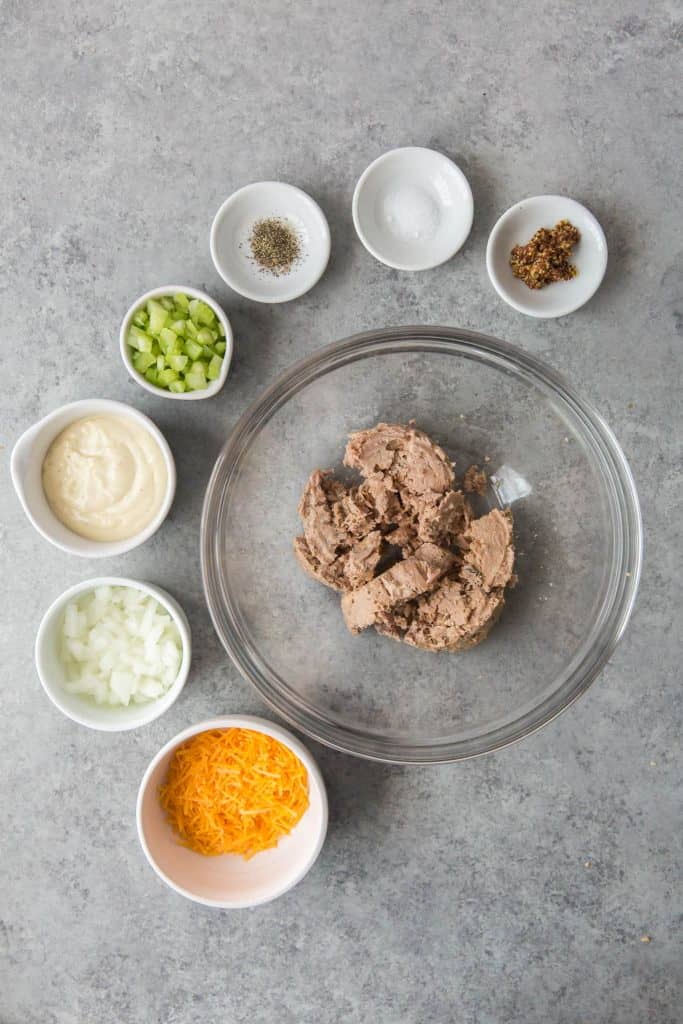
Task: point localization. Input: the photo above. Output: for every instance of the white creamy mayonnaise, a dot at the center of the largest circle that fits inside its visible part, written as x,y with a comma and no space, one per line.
105,477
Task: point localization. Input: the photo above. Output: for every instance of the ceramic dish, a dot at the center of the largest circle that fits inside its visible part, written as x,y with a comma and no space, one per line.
577,531
193,293
231,230
229,881
412,208
517,226
82,710
26,471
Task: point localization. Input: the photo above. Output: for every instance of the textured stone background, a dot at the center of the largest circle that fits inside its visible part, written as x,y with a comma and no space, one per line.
447,894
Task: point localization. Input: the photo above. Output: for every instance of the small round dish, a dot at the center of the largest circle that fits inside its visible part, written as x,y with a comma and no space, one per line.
412,208
80,709
194,293
26,471
517,226
231,251
229,881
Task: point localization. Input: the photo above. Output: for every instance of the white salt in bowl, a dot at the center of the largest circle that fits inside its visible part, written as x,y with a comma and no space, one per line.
413,208
82,710
229,881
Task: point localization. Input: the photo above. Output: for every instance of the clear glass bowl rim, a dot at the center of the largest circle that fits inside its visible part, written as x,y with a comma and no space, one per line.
624,573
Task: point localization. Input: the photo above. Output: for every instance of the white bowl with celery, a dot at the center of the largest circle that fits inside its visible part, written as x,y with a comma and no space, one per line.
176,342
113,653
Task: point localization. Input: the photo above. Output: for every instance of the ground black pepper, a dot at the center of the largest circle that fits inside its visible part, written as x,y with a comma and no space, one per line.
274,245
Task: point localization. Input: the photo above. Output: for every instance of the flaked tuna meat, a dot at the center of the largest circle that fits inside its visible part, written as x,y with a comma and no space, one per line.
402,582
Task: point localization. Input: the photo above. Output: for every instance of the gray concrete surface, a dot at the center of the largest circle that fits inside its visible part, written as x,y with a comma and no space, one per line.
514,888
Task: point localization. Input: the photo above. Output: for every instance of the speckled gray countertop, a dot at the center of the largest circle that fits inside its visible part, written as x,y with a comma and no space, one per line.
517,887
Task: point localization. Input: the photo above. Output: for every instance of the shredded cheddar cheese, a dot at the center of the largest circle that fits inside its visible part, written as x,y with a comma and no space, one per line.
233,791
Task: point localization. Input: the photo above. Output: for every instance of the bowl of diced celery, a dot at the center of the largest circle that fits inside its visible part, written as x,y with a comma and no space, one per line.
177,342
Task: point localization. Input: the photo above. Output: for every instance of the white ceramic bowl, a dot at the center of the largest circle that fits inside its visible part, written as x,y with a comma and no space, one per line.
193,293
231,252
412,208
26,470
229,881
80,709
517,226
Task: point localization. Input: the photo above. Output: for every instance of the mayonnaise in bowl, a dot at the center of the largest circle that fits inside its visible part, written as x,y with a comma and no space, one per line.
105,477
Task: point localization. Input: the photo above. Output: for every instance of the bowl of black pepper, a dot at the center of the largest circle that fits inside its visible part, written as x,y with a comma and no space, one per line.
546,256
270,241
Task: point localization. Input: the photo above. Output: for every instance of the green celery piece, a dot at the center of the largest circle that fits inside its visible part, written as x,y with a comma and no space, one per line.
191,330
214,370
196,383
181,300
142,361
140,319
167,337
205,336
139,340
166,377
221,329
193,348
195,378
208,352
158,316
178,362
156,350
167,302
161,362
151,375
220,348
178,326
177,386
201,313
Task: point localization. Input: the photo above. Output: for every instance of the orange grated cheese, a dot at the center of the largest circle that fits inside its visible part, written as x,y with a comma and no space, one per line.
233,791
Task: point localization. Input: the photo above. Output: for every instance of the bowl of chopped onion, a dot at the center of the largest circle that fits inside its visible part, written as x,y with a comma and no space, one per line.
113,653
176,342
232,812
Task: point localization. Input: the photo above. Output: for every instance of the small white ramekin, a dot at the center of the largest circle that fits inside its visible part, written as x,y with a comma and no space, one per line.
79,709
26,467
193,293
229,881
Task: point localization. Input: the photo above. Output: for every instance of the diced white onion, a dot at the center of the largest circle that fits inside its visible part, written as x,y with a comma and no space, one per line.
118,645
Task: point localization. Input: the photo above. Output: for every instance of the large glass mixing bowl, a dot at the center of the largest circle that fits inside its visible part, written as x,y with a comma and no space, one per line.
577,527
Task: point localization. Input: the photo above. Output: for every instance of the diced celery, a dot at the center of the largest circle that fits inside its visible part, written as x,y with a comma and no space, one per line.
178,362
208,352
221,329
201,313
220,348
196,383
205,336
196,376
178,326
142,361
140,319
166,338
158,316
161,362
156,350
193,348
177,386
167,302
214,370
139,340
191,330
151,375
181,300
166,377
